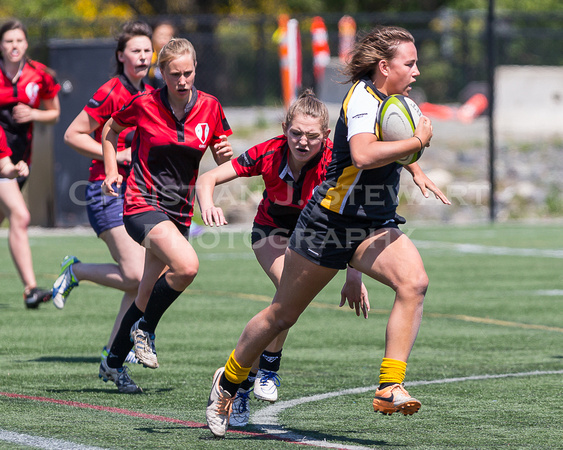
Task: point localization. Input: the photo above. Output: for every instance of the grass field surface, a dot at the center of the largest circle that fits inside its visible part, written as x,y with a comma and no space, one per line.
487,365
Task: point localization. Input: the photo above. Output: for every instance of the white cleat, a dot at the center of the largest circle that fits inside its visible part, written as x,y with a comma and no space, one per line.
266,386
143,343
241,411
219,407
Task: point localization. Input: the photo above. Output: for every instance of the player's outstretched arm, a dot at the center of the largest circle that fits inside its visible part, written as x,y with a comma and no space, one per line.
222,150
205,186
426,184
355,292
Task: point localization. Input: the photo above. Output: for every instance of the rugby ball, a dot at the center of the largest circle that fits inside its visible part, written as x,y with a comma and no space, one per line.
398,117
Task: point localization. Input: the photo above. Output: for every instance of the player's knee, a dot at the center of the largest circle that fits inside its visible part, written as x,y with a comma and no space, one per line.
421,283
186,273
413,287
418,285
131,279
284,322
20,218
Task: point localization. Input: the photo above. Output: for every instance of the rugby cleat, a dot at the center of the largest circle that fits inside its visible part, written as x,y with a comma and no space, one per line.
266,385
131,358
219,406
35,297
395,398
240,413
65,283
120,377
143,343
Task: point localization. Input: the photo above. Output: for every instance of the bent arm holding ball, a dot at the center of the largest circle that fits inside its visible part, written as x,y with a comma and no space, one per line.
369,153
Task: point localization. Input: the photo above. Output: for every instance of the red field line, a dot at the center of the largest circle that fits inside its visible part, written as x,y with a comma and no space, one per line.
141,415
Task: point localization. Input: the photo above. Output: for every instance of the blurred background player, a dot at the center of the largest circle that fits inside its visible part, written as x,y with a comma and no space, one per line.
175,126
7,168
132,56
291,165
28,94
162,33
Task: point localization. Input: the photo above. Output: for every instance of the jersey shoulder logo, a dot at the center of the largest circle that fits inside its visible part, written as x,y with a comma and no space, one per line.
202,132
93,103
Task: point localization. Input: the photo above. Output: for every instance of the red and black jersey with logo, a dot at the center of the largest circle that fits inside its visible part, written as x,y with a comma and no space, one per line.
284,197
4,149
33,85
110,97
166,151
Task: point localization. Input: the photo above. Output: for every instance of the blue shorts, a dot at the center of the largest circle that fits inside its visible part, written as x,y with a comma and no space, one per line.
330,239
104,212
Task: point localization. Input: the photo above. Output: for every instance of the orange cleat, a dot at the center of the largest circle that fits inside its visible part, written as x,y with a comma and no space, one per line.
395,398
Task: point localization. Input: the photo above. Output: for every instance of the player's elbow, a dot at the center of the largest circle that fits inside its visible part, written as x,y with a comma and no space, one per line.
68,137
365,163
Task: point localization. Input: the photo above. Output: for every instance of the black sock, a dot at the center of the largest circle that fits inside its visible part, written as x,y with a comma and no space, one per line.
162,296
270,361
231,388
384,385
249,382
122,342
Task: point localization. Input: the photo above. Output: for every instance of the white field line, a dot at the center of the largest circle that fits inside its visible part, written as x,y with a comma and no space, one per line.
267,418
41,442
244,228
474,249
490,250
550,292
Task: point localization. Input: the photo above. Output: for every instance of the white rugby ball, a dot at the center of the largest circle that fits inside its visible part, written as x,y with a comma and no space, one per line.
398,117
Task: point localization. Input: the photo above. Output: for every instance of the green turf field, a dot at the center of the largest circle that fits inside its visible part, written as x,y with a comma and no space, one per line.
487,365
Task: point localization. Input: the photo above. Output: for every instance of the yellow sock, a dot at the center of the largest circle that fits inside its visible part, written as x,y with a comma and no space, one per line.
234,372
392,371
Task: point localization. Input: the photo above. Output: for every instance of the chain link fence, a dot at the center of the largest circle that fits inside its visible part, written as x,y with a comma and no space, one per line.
238,63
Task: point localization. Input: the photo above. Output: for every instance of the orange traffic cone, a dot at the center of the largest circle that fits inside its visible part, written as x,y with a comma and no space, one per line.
321,50
346,37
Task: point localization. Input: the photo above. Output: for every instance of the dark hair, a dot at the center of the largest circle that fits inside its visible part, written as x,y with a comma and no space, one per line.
379,44
16,24
128,32
12,25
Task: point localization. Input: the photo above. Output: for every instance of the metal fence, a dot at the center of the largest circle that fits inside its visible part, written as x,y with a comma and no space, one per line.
238,63
238,59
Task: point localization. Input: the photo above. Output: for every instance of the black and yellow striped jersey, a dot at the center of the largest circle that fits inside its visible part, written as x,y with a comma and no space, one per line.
371,193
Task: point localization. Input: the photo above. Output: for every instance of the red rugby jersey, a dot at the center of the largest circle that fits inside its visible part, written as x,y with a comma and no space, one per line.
33,85
110,97
283,197
166,151
4,149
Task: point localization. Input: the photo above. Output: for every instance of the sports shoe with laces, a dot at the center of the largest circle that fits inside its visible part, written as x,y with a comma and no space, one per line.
266,385
143,343
35,297
120,377
131,358
241,411
395,398
65,283
219,406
